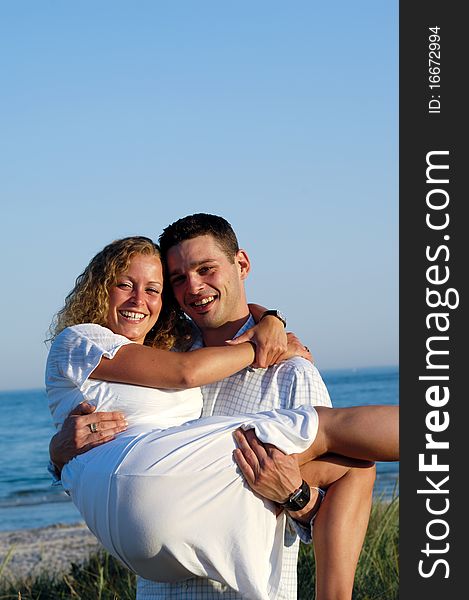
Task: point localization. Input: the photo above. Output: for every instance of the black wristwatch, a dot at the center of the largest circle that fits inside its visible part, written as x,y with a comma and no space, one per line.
275,313
299,499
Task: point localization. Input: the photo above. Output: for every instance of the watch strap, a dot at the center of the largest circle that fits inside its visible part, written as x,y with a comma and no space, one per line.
299,498
275,313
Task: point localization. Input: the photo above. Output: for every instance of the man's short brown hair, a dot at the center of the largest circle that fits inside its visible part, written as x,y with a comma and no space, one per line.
197,225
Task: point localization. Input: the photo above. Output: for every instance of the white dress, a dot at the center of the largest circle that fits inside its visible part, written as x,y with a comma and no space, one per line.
166,496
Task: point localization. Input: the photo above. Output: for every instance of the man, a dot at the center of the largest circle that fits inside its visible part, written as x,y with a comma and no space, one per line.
207,271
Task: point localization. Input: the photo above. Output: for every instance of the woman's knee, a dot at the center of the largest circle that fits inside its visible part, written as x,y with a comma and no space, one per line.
365,474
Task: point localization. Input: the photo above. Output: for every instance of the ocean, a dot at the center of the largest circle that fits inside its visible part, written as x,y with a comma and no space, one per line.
28,500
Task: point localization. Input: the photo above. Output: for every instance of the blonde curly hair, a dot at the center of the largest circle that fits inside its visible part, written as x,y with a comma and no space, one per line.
88,302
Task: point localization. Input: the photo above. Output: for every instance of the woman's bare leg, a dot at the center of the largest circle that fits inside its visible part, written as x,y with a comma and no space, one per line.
342,519
340,525
363,432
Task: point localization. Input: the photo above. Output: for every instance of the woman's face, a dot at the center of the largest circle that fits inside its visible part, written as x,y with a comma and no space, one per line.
135,300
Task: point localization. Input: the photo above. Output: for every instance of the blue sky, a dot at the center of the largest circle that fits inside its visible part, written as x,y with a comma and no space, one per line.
119,117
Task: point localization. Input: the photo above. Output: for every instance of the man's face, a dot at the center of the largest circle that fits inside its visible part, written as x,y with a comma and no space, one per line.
208,287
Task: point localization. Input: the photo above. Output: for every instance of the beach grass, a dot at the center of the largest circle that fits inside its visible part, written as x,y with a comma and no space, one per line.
104,578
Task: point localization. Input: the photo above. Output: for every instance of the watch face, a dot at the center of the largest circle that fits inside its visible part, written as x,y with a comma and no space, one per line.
299,499
299,503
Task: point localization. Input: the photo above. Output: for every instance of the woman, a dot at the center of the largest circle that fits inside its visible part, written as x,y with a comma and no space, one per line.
151,495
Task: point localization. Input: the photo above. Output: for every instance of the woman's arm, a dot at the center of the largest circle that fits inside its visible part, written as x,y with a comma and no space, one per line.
268,335
151,367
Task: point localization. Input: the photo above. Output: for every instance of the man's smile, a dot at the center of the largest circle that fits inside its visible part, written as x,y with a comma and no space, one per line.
202,303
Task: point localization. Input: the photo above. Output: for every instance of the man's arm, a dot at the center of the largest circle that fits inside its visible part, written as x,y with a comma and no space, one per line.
76,436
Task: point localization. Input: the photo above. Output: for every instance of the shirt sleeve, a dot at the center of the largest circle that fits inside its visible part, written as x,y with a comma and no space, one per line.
55,477
79,349
306,386
74,355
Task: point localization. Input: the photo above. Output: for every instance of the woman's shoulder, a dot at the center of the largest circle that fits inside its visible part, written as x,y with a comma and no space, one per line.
82,330
88,333
77,346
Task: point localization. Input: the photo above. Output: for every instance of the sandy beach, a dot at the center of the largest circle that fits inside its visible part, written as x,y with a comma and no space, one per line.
51,549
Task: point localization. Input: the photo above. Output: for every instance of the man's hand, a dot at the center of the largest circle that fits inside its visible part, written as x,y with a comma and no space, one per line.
268,471
273,474
76,436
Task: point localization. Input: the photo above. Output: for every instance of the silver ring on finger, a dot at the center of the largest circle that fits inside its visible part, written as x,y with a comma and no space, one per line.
93,427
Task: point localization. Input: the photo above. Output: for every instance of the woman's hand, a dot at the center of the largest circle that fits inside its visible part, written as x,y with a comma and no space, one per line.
270,340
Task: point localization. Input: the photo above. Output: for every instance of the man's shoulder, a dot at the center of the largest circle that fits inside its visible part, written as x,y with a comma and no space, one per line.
298,370
296,365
